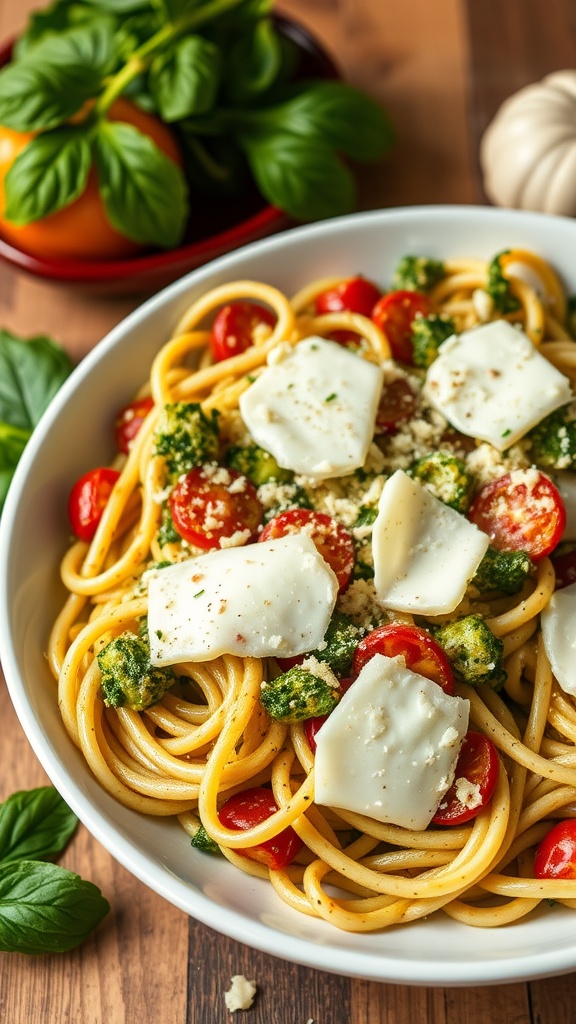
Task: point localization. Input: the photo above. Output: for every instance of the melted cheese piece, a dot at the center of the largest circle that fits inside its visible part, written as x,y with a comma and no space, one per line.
389,749
314,408
492,383
424,552
558,622
263,600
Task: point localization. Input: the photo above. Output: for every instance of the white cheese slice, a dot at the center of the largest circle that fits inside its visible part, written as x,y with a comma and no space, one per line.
565,481
492,383
425,553
558,622
314,408
389,749
263,600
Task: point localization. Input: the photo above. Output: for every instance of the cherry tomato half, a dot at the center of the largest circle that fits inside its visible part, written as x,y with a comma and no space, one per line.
88,499
522,511
478,765
565,569
249,808
420,651
332,540
394,313
398,403
129,420
313,725
355,295
556,854
234,326
212,503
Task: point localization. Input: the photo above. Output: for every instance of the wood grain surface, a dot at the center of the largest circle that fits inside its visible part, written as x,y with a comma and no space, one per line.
441,68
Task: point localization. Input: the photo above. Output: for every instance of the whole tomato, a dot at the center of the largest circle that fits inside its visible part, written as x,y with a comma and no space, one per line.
80,230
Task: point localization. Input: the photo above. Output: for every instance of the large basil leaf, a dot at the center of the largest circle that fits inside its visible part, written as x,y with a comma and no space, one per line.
255,62
31,372
184,80
48,174
35,824
58,17
13,441
144,192
45,908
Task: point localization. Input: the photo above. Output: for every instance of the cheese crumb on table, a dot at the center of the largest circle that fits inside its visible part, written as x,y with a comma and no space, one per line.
240,995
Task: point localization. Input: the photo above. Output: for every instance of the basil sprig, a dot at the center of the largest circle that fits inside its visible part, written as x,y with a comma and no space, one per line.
219,73
44,908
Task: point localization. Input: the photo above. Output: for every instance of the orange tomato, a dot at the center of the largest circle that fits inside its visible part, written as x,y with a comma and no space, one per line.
80,230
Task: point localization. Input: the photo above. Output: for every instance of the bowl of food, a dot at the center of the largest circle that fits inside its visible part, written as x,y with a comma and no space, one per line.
171,142
329,661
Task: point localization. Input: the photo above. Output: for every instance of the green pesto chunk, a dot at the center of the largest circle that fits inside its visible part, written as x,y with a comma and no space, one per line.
257,464
298,694
498,287
505,571
428,334
339,644
473,651
553,440
446,477
203,842
186,437
129,680
418,273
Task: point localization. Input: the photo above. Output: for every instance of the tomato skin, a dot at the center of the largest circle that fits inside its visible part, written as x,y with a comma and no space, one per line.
521,513
129,420
394,314
313,725
420,651
80,230
355,295
478,762
556,854
249,808
398,403
233,328
332,540
88,499
211,503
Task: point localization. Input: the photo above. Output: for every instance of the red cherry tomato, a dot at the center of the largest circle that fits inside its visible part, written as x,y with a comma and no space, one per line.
88,499
478,764
398,403
521,511
234,326
313,725
333,540
556,854
129,420
565,569
394,314
211,503
249,808
355,295
420,651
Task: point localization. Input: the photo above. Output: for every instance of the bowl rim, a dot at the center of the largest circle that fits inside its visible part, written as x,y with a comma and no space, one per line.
230,922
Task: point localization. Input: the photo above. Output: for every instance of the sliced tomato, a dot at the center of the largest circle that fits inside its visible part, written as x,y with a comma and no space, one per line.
249,808
394,314
398,403
565,569
212,503
521,511
313,725
88,499
355,295
556,854
129,420
333,540
233,328
420,651
478,766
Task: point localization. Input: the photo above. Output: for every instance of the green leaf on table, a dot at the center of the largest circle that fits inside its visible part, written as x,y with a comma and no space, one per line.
46,909
53,80
49,173
303,177
35,824
31,372
13,441
255,62
144,192
184,80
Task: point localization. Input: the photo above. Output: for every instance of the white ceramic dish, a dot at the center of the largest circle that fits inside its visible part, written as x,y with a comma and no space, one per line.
73,435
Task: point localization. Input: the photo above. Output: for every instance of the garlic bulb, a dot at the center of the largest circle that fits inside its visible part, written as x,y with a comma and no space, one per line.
528,152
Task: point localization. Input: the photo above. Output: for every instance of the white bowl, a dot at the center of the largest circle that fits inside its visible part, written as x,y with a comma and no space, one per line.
73,435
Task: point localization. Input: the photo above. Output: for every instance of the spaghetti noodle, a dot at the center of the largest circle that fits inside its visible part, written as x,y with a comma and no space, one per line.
210,737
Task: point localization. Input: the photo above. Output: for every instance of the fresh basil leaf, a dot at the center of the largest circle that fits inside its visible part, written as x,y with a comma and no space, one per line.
143,191
49,174
184,80
174,8
46,909
35,824
120,6
58,17
133,31
31,372
13,441
255,61
58,75
337,114
302,177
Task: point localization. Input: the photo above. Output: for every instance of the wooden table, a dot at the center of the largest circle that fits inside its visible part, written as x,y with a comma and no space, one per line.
441,68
